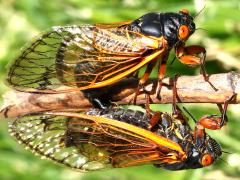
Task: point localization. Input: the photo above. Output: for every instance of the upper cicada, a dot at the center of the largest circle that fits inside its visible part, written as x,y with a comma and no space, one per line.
74,58
114,138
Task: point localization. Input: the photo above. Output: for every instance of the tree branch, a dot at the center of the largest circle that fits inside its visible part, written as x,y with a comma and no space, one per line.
190,89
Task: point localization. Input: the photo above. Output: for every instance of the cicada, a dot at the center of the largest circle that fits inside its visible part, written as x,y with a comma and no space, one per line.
98,139
86,57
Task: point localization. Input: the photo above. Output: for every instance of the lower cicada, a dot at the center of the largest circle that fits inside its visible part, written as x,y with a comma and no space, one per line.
85,57
114,138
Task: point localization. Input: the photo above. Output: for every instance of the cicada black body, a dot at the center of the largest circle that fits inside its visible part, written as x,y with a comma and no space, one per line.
115,138
86,57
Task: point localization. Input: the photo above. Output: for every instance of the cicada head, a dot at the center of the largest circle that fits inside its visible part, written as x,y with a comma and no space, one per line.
174,27
198,155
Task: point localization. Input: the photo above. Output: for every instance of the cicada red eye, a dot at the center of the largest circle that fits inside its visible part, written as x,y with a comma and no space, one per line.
183,32
206,160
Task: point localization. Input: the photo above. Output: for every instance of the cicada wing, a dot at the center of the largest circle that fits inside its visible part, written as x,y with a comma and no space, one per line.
35,68
46,135
90,143
113,25
75,58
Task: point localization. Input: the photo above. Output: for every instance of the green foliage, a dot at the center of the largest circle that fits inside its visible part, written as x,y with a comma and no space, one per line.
21,20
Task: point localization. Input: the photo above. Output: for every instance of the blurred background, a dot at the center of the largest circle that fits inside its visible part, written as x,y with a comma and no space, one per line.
21,20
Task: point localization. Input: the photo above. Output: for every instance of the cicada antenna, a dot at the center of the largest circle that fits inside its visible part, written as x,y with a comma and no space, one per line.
193,118
226,152
201,29
199,12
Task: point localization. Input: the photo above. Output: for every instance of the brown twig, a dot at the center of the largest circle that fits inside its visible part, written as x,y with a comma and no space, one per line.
190,89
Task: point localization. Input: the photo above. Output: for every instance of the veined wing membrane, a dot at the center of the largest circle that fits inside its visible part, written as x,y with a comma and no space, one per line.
75,58
88,143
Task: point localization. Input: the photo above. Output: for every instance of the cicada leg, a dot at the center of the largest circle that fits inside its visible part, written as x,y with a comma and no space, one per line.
188,55
142,82
147,104
160,118
213,122
173,83
154,119
176,111
161,74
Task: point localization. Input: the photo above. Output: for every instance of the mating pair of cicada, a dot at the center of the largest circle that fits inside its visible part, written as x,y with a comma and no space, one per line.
89,57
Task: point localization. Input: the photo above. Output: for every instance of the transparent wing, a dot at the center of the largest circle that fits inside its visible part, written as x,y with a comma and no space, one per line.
90,143
74,58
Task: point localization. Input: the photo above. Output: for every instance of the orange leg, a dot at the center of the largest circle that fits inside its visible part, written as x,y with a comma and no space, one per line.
175,108
143,80
213,122
161,74
189,55
154,119
147,104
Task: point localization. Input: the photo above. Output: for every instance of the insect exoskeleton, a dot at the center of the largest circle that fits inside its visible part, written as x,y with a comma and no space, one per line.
113,138
88,57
